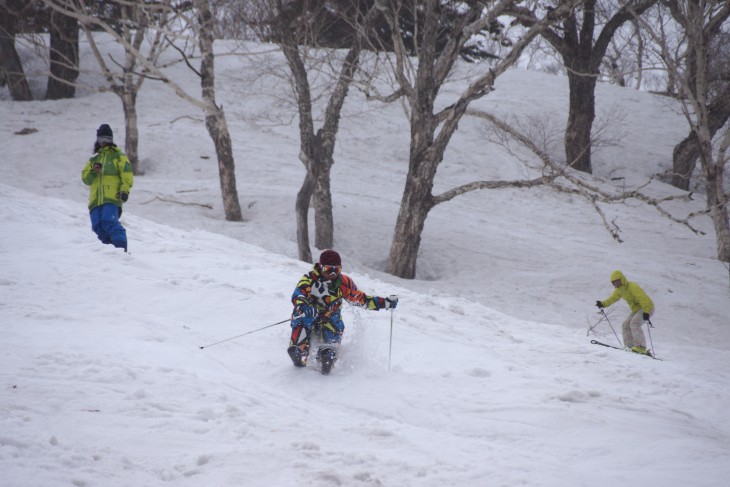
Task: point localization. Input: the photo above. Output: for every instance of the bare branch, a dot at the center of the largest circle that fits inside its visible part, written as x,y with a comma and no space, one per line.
580,185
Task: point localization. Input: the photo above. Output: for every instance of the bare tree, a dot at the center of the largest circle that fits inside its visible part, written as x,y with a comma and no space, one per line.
295,28
419,82
131,39
215,118
64,57
583,52
10,66
701,21
132,22
536,136
686,153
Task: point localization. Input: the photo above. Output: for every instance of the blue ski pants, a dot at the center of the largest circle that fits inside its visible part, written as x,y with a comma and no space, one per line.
106,226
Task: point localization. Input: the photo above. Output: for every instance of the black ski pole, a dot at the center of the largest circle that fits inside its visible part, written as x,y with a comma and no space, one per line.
609,324
390,346
248,333
649,326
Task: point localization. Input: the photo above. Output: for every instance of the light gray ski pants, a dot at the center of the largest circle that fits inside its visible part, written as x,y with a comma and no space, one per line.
631,330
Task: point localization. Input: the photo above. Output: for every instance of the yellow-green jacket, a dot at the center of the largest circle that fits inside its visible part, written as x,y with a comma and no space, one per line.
632,293
115,177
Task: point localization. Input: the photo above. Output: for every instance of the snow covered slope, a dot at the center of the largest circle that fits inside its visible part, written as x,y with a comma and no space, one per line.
104,382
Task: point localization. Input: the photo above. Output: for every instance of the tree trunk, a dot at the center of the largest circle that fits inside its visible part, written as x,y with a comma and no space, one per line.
218,130
717,205
10,60
582,52
304,196
581,114
215,119
414,208
417,198
686,153
131,132
64,57
323,218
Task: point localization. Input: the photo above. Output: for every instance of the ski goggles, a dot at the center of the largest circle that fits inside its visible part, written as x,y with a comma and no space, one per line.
331,269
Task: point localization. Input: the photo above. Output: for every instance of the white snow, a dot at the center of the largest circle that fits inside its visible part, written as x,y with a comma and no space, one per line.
492,378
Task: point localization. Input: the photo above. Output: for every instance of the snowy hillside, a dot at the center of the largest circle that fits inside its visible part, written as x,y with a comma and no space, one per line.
493,380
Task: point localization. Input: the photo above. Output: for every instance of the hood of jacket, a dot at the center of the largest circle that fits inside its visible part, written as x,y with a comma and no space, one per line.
619,275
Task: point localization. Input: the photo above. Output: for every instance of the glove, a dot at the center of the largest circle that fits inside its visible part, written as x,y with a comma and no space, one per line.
646,316
599,305
305,310
391,302
123,196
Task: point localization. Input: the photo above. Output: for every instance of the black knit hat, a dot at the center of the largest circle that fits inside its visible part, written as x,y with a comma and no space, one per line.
104,134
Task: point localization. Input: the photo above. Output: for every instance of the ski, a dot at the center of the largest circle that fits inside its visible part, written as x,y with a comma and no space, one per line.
596,342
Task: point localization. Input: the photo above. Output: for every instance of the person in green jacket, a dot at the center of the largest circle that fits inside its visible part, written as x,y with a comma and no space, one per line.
109,175
642,308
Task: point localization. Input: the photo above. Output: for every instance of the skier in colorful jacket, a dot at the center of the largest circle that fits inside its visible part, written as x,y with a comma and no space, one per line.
317,301
109,175
641,306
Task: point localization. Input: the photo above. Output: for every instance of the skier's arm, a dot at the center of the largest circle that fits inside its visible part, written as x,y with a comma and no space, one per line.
301,293
612,298
352,294
126,175
87,173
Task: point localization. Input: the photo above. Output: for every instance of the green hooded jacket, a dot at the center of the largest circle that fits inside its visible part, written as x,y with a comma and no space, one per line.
115,177
632,293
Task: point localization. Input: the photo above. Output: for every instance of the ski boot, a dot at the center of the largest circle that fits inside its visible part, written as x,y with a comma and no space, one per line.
641,350
327,357
298,356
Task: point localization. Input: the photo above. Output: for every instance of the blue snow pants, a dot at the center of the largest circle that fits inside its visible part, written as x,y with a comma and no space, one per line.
105,223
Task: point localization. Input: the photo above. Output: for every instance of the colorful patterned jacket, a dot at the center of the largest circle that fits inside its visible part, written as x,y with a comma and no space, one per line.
326,296
115,177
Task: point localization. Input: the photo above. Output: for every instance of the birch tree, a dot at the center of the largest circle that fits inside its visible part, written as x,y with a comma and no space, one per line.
197,20
309,35
132,22
295,28
701,21
687,152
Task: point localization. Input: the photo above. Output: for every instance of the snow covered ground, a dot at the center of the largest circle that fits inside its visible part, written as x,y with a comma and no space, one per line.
492,378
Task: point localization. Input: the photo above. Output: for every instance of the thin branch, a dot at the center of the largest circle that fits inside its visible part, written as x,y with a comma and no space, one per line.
166,200
582,187
184,56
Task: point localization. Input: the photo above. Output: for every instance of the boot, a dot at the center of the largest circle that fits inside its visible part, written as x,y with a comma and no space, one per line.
298,356
327,357
641,350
